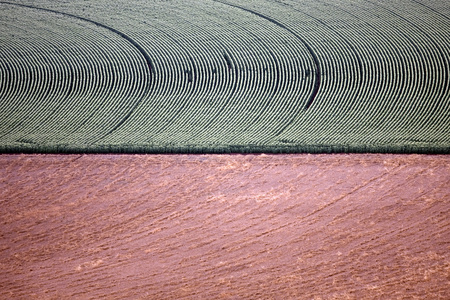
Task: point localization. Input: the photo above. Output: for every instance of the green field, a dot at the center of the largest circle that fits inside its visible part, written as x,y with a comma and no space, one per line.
204,76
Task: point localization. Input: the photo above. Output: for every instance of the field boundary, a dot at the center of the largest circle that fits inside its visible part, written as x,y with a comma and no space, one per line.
224,149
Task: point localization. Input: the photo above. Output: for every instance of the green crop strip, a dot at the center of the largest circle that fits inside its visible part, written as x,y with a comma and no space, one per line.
224,76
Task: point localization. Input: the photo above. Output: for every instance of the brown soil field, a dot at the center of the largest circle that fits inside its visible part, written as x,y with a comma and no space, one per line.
225,226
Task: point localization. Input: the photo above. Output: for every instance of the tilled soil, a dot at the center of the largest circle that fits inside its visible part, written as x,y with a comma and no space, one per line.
224,226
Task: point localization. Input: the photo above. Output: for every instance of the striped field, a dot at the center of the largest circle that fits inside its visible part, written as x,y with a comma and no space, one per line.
225,76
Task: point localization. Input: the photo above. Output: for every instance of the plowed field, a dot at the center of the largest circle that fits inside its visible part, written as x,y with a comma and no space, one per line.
209,227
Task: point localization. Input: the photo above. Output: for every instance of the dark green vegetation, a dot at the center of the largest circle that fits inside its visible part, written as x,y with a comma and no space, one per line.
225,76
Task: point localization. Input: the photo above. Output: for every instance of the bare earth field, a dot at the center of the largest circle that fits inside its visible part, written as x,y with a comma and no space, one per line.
224,226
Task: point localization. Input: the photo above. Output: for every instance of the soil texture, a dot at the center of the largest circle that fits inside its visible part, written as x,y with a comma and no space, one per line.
224,226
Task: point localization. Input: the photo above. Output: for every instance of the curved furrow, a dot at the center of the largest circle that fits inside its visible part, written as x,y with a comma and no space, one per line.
308,47
340,37
30,95
279,103
266,66
374,90
130,91
9,90
297,109
270,110
434,10
59,114
26,93
168,94
235,62
6,79
372,69
58,108
240,112
114,31
266,106
442,51
192,79
272,22
123,35
224,75
429,55
123,110
335,84
196,103
171,95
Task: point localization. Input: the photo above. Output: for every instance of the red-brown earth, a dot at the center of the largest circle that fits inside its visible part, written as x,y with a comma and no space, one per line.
224,226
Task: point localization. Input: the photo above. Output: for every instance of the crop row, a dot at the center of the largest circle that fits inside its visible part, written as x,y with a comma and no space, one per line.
226,74
403,75
63,71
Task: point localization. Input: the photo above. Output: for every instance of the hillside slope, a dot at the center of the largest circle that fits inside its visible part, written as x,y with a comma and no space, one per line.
225,76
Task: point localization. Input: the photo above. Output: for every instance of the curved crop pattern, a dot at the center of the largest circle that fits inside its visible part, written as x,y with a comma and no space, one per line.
225,76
